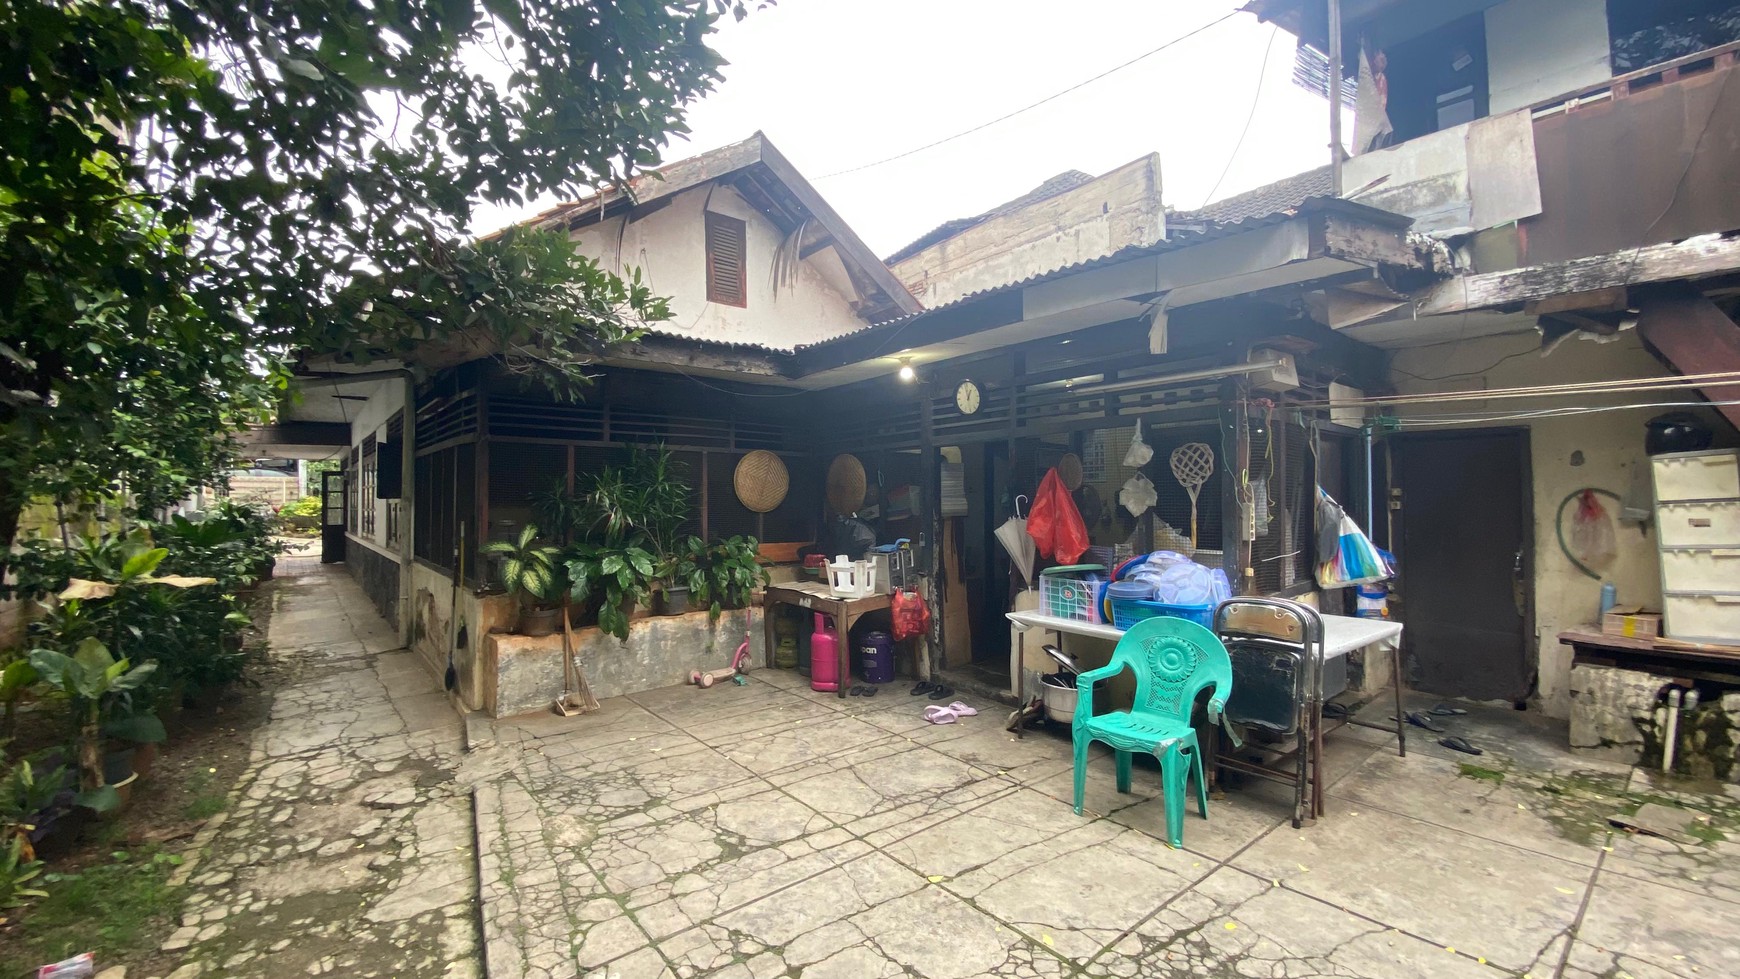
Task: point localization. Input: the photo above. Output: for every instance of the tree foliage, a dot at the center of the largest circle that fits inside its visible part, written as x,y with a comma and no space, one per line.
190,189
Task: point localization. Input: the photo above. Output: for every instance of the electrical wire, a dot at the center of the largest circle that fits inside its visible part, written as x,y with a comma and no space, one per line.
1256,99
1027,108
1619,386
1451,377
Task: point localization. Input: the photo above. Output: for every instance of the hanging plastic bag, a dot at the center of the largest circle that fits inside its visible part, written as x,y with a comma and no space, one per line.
1592,538
1348,557
911,615
1139,452
1055,524
1138,495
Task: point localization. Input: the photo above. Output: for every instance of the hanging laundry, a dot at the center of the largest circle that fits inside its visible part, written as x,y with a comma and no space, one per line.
1139,452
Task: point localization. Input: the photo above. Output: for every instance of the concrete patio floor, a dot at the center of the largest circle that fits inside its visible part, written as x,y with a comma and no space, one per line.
772,831
769,831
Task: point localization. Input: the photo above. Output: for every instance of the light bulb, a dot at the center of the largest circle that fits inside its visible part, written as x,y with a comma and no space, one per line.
907,374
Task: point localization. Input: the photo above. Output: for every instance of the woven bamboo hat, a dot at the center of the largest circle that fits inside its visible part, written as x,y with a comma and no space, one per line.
1069,470
846,484
761,481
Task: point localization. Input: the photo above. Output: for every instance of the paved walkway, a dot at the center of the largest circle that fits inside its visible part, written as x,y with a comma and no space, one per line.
348,848
768,831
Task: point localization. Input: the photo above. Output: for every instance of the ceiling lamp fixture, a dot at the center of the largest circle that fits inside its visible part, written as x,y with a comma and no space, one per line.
906,373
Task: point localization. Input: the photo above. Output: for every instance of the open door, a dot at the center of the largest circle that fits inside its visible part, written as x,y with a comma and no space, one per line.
332,517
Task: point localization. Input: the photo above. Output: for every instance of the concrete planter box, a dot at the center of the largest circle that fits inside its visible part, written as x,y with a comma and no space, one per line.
660,651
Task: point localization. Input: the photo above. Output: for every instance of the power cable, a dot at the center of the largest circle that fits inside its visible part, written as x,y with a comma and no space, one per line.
1256,99
1031,106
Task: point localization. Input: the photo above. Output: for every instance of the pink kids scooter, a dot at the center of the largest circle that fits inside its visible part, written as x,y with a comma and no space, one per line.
739,662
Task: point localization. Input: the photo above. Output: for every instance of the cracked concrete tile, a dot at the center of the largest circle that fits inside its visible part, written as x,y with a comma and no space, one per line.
955,843
1076,892
1671,929
837,893
800,740
1234,822
1433,791
1710,869
1022,760
1233,924
1469,893
863,787
937,935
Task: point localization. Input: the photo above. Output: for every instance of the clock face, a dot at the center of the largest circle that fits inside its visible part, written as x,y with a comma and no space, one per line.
967,397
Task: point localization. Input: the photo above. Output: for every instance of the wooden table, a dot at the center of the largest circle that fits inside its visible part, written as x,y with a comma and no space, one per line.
813,596
1652,654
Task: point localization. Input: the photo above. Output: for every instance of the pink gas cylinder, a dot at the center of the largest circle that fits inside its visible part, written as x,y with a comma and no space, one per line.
824,656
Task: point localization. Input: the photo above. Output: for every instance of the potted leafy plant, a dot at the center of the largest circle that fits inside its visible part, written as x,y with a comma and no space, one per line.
616,576
99,688
734,570
529,573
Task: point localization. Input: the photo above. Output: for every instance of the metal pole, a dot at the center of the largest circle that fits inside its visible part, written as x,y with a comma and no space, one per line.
1370,514
1335,96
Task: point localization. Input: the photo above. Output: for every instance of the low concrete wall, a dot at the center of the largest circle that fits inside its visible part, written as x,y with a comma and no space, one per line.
660,651
378,574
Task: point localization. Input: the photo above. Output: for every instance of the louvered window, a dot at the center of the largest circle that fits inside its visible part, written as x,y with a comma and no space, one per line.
725,260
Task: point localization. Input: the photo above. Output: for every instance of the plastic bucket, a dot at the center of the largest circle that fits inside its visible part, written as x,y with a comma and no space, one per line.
876,657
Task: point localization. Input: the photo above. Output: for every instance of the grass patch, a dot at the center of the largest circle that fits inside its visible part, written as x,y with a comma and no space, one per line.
110,909
203,802
1477,772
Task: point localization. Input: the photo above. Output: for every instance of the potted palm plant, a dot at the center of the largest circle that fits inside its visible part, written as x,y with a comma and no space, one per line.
530,575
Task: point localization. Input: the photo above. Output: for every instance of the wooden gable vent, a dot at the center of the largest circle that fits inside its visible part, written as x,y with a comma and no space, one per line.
725,261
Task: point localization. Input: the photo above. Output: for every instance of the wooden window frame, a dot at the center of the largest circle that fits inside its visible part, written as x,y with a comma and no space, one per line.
720,281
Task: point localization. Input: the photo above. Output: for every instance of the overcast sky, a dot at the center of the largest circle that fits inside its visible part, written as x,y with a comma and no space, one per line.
836,84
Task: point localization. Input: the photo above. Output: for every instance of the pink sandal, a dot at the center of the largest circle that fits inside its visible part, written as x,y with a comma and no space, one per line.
962,709
938,714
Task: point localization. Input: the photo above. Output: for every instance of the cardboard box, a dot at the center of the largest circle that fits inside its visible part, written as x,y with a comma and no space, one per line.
1631,622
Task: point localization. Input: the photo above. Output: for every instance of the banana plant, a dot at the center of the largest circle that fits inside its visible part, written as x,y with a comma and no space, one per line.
99,688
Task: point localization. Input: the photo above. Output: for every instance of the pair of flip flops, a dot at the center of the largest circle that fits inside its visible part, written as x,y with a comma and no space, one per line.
938,714
1454,742
935,691
863,690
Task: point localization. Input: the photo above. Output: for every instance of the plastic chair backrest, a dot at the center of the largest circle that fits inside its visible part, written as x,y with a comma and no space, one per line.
1174,661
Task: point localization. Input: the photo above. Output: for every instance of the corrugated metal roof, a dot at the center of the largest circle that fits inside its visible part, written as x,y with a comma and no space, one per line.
1285,194
1184,239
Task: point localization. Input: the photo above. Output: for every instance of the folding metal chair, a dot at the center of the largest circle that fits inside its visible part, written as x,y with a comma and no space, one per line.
1276,648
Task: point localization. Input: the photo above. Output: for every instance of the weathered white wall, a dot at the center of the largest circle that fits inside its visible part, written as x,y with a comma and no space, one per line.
385,399
1477,175
1611,444
1538,49
1113,211
669,247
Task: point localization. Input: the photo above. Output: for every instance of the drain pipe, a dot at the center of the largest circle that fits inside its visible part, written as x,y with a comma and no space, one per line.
1671,730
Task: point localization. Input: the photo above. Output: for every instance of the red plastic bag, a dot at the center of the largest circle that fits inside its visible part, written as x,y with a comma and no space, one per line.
1592,536
1055,524
911,615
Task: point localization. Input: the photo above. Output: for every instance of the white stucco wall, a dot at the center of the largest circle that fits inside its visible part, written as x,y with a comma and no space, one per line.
1538,49
385,399
669,247
1611,444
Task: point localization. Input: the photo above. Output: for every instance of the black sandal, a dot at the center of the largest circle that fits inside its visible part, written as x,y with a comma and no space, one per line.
870,690
1457,743
922,687
938,691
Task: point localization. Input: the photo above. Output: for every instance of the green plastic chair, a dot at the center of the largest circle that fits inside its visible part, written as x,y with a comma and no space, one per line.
1174,661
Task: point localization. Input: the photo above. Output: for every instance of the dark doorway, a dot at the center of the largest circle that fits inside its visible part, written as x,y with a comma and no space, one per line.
1464,547
332,500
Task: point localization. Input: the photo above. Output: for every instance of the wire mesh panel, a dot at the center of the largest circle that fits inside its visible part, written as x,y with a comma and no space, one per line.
518,473
1282,490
